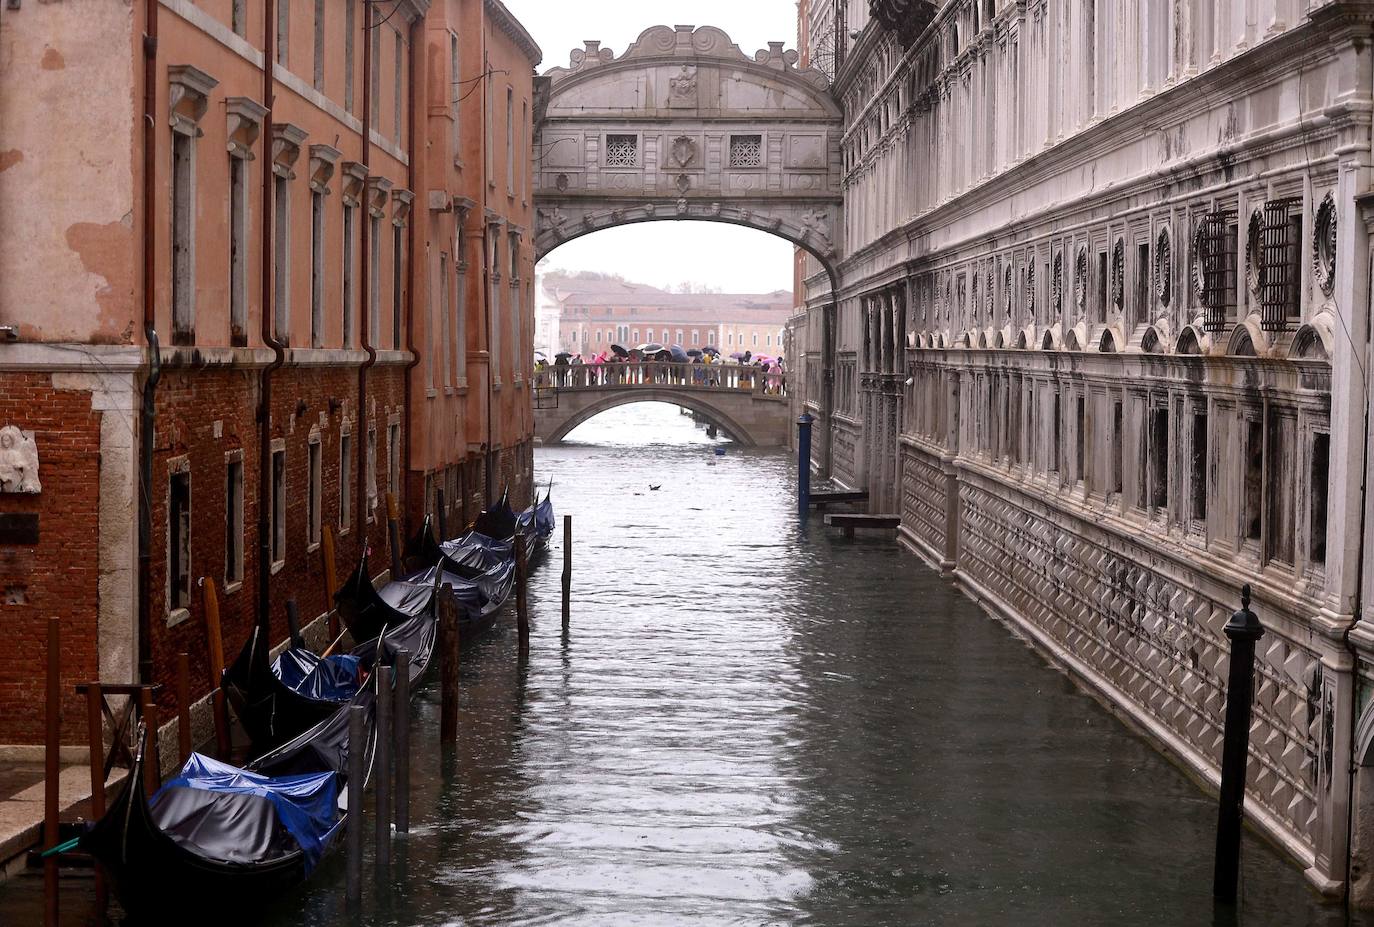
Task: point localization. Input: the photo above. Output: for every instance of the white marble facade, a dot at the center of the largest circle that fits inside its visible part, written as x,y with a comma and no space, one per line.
1098,331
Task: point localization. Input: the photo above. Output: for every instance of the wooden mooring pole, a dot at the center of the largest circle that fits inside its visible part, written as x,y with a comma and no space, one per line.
331,579
393,532
52,719
357,757
152,757
183,706
385,694
402,720
216,647
95,732
522,612
1244,629
567,569
448,667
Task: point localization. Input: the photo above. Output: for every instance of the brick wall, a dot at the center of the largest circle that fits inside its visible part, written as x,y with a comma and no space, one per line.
57,576
204,414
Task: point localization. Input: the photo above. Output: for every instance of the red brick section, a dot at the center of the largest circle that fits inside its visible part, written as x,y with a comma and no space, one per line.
190,402
59,575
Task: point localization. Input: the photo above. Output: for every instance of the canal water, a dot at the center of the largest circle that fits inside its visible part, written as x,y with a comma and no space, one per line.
754,724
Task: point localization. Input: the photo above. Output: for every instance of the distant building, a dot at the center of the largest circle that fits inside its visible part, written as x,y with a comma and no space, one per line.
590,312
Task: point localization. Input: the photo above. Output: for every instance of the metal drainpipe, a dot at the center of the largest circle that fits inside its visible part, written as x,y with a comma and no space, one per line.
268,336
147,419
417,35
487,289
1356,610
364,276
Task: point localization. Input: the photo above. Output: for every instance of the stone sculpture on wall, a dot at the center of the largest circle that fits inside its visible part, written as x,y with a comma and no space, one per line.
18,461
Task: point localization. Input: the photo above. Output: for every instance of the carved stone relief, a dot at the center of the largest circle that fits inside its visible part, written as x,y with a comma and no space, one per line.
18,461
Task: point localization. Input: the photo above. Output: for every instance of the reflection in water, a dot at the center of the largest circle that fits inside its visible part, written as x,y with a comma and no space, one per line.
748,724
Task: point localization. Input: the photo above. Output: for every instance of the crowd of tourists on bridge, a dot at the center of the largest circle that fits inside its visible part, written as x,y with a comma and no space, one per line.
654,364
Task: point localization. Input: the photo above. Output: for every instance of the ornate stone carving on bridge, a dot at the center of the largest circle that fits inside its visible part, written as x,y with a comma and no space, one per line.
18,461
686,101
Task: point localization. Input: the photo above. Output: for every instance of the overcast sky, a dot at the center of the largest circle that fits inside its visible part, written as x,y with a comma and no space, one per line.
729,257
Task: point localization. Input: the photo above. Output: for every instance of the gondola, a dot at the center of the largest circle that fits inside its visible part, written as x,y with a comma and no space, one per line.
221,840
365,609
277,701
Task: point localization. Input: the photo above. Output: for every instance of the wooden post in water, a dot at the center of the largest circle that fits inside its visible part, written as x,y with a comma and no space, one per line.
567,568
357,757
448,667
383,769
152,757
95,732
52,721
522,612
293,623
441,516
183,706
216,645
402,720
393,532
331,579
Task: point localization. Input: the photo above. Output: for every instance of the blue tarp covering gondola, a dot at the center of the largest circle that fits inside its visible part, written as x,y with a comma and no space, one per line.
226,813
478,551
334,678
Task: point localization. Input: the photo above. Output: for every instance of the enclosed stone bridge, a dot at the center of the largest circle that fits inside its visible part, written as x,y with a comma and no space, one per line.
745,403
684,125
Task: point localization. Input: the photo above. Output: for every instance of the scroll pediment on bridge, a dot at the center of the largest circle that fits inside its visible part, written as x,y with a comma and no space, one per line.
687,42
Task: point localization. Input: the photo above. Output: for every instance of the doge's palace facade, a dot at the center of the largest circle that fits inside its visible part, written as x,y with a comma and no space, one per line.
1101,338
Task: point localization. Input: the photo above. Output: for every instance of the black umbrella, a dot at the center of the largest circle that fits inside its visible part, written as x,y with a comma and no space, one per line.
652,347
619,351
563,354
693,353
739,356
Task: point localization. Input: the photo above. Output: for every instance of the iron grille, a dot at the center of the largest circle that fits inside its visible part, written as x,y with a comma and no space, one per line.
1279,268
1214,266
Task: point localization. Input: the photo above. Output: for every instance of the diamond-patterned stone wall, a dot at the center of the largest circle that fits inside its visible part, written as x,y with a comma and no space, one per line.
924,499
1158,642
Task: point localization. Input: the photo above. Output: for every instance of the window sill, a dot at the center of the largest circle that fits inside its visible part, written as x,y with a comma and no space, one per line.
496,386
176,616
431,393
345,529
278,566
448,390
231,588
312,547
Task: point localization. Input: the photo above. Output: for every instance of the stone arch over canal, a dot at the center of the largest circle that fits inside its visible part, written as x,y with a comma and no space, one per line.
749,417
685,126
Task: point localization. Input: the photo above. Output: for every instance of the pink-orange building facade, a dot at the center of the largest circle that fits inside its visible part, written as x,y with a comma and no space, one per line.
221,309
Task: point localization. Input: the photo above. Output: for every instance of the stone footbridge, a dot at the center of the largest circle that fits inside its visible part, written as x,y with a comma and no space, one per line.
746,403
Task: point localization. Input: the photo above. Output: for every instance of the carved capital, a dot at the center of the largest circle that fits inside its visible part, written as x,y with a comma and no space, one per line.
378,191
353,177
401,201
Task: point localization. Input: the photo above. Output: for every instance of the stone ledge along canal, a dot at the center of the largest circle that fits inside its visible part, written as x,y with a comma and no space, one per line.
751,724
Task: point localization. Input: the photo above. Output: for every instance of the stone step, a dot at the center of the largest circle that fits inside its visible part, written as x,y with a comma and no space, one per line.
850,521
826,497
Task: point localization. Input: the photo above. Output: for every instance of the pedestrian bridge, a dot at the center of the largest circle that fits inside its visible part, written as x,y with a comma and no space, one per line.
744,402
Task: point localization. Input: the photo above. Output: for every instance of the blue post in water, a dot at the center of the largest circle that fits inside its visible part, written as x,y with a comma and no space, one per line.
804,464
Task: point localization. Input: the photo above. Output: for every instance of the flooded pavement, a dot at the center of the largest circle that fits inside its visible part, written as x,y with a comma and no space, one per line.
752,724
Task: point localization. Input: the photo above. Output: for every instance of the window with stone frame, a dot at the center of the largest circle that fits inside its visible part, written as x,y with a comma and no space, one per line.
277,535
622,150
746,151
314,490
179,537
233,518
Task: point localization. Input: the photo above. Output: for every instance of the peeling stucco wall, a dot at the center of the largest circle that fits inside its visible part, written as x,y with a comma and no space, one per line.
68,261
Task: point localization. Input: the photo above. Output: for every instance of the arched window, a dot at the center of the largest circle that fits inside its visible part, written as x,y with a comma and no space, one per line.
755,342
696,337
678,339
635,339
729,337
598,336
767,340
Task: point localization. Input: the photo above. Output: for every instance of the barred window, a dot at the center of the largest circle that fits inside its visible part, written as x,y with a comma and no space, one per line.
622,150
746,151
1280,267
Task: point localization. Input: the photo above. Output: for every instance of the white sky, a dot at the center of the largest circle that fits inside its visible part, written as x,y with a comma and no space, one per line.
659,253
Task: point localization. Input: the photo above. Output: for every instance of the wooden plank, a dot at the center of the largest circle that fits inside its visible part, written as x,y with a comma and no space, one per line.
849,520
836,496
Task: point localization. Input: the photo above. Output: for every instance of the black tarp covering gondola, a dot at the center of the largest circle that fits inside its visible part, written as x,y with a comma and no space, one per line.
322,748
497,521
366,610
271,711
157,873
